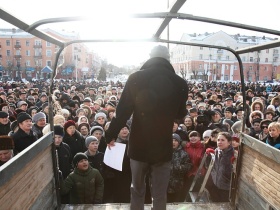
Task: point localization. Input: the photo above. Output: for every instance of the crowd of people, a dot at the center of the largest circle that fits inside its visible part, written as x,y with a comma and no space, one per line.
211,123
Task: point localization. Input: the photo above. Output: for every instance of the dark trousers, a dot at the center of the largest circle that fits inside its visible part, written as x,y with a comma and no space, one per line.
216,194
160,174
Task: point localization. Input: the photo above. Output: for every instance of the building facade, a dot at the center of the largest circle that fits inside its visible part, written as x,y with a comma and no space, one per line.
209,64
24,56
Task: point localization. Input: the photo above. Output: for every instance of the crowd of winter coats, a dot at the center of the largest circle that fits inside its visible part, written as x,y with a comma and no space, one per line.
82,114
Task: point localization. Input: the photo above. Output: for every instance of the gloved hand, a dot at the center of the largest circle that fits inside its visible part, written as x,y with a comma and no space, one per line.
209,150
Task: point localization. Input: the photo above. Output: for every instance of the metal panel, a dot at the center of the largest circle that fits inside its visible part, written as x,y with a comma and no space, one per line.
12,167
261,147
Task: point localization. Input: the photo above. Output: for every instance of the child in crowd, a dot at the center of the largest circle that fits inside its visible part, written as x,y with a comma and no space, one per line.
273,138
85,184
98,132
180,165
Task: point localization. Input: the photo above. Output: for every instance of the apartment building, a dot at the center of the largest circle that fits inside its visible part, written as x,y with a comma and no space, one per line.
210,64
24,56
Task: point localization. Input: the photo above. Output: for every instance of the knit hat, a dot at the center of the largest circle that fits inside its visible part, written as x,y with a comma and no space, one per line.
230,122
38,116
90,139
100,114
78,157
23,116
160,51
83,124
229,109
58,130
3,114
68,124
218,111
57,117
176,137
79,110
44,105
6,143
207,133
94,128
20,103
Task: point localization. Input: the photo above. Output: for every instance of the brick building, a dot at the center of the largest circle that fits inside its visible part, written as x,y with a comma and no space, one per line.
216,64
24,56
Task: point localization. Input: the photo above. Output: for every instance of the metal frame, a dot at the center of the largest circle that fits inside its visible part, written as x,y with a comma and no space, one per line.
167,17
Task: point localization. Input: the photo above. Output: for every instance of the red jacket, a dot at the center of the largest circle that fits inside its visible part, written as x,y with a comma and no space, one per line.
196,153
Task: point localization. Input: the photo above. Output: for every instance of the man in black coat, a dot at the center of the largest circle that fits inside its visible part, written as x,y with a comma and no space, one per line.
155,96
5,124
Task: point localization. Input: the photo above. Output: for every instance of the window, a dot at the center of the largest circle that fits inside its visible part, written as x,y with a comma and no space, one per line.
219,57
226,78
210,57
27,52
27,43
18,62
250,68
201,48
266,60
38,42
49,53
27,63
200,56
227,57
17,52
243,58
226,67
48,44
265,68
28,73
267,50
265,78
8,43
17,42
49,63
200,66
251,59
8,52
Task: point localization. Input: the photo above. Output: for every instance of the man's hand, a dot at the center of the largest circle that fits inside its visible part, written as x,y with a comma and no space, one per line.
111,144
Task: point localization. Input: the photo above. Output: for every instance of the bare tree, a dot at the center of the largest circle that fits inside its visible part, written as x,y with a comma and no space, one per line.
183,73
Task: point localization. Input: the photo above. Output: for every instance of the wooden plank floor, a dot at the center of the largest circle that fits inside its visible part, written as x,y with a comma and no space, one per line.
175,206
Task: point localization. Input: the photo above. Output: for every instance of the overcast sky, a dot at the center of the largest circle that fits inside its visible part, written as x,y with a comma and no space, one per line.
106,15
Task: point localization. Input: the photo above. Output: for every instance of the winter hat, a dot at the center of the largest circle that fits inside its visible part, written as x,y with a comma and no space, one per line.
58,130
20,103
90,139
38,116
78,157
230,122
176,137
3,114
271,107
218,111
23,116
112,103
83,124
160,51
6,143
100,114
44,105
57,117
229,109
68,124
207,133
79,110
94,128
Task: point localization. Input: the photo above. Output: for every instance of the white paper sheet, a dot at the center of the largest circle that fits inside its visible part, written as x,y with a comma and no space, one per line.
114,157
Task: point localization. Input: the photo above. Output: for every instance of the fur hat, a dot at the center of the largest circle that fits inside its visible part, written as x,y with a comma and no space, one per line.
272,107
58,130
38,116
68,124
176,137
90,139
78,157
6,143
22,116
57,117
100,114
83,124
94,128
3,114
207,133
160,51
79,110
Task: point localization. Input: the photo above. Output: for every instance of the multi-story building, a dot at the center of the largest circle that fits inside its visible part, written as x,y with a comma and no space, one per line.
24,56
216,64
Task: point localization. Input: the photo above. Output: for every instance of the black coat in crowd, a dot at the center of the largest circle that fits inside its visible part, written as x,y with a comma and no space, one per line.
22,140
75,142
156,96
